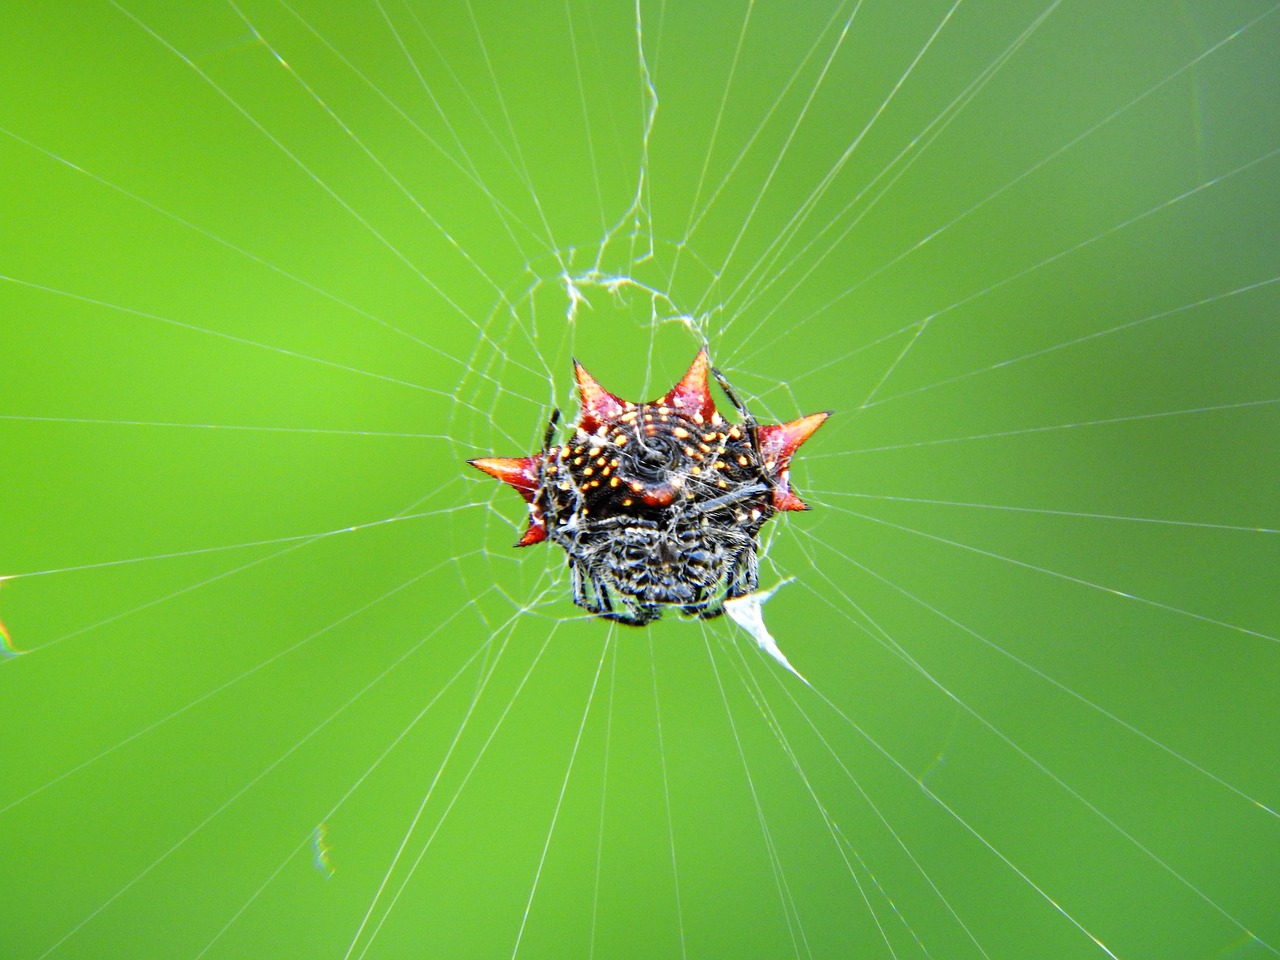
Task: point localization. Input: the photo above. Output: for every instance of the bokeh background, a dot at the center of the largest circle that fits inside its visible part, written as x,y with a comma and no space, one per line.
278,685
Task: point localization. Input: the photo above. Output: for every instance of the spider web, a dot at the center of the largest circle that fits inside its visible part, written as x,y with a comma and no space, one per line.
278,682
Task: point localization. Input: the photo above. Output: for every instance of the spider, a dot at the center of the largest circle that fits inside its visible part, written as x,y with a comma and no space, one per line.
657,504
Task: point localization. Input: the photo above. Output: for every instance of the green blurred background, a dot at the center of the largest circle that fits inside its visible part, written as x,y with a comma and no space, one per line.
269,272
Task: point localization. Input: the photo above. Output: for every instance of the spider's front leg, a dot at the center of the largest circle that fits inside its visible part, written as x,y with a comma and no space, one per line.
551,430
748,421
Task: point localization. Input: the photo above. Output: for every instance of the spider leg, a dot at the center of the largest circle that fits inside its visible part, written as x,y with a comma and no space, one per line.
635,614
590,593
642,618
748,421
551,430
708,612
586,591
744,576
733,397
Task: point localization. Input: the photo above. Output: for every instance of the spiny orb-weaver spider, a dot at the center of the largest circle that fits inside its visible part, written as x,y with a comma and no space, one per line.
657,504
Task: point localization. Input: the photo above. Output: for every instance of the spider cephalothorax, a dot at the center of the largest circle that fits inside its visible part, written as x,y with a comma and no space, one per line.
657,504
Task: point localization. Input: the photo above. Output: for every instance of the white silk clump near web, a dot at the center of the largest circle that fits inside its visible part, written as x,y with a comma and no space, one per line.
747,612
